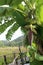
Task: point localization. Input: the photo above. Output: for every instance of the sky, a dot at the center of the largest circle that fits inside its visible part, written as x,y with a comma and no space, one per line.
17,34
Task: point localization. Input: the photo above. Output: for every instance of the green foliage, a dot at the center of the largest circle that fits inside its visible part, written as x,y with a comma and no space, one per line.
40,14
2,60
4,26
38,57
31,53
40,32
35,62
1,11
2,2
10,2
19,17
28,16
12,30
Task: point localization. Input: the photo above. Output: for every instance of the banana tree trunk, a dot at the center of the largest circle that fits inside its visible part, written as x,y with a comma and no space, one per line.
30,37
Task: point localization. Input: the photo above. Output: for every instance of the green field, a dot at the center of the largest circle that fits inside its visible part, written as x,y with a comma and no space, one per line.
9,52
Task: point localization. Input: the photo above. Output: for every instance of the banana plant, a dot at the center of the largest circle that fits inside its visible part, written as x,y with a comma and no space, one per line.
27,14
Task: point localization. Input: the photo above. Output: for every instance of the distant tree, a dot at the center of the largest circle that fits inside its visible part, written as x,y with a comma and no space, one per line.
1,44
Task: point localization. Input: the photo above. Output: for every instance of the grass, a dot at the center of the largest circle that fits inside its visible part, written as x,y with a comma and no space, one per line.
8,51
2,61
9,59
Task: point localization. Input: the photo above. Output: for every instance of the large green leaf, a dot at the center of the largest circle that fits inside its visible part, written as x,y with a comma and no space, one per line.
2,10
38,57
10,2
12,30
6,11
35,62
16,2
39,2
16,13
2,2
19,17
4,26
32,1
39,11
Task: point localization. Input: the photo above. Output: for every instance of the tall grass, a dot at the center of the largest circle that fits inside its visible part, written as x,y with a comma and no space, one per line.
9,52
